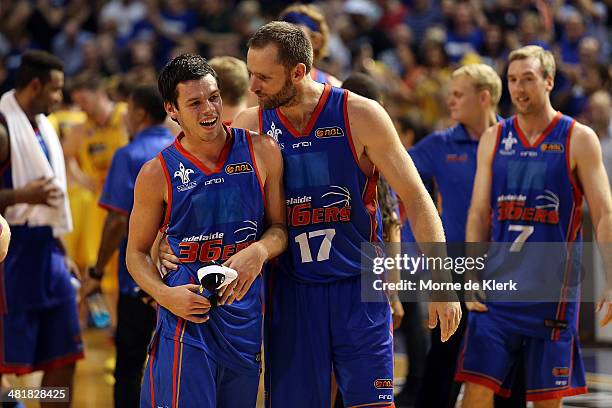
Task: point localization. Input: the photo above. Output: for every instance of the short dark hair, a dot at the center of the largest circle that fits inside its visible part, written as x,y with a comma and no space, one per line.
185,67
36,64
147,97
293,46
364,85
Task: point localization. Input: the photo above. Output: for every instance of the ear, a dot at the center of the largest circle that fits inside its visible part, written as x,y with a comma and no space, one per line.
36,85
298,72
484,97
550,83
171,110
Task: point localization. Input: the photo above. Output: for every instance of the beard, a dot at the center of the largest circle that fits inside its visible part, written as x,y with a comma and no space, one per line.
281,98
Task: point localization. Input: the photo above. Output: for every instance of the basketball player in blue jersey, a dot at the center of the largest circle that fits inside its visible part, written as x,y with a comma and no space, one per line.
38,309
526,163
315,319
217,193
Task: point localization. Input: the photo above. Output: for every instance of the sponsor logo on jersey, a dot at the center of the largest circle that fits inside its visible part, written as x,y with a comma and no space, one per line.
333,131
236,168
203,237
183,173
383,384
509,141
456,158
301,212
560,371
552,147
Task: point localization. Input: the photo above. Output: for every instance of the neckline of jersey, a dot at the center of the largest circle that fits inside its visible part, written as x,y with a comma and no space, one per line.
553,123
222,156
313,117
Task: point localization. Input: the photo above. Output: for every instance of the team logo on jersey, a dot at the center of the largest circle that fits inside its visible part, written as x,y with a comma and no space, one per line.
383,384
183,173
333,131
552,147
236,168
513,208
248,231
340,194
509,141
274,132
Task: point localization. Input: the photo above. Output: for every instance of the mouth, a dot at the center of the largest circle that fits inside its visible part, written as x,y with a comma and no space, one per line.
209,124
522,99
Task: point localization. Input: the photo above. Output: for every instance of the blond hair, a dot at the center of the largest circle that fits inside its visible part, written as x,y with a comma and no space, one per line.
317,16
233,78
547,61
484,78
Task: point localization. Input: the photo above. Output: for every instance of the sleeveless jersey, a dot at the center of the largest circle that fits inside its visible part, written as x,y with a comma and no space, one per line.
535,198
211,214
100,143
331,203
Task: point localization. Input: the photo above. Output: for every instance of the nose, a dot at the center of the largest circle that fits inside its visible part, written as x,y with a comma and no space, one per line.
254,85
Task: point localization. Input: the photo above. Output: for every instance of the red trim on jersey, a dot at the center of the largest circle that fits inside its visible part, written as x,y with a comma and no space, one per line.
151,358
261,185
556,394
168,210
227,147
175,361
574,226
478,378
371,204
109,207
576,190
58,362
260,114
313,118
347,126
500,127
542,136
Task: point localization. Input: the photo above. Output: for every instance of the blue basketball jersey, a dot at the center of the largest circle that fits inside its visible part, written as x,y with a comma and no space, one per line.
331,203
211,214
535,198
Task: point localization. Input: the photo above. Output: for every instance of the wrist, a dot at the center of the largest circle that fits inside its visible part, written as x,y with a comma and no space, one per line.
262,251
95,273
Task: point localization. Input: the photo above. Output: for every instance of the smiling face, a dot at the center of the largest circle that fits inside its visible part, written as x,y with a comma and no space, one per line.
529,88
269,80
49,92
198,108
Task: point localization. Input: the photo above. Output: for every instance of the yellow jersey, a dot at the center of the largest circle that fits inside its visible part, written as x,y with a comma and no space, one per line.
100,143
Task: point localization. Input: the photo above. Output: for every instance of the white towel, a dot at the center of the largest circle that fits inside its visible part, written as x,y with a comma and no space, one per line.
28,162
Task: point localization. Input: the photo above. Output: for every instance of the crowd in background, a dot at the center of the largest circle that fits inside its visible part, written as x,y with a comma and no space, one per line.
410,46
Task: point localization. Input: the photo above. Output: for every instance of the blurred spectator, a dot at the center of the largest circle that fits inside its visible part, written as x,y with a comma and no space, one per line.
68,45
599,118
233,79
465,36
313,23
573,31
422,15
119,16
